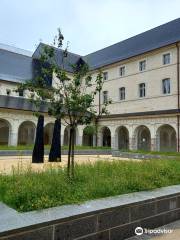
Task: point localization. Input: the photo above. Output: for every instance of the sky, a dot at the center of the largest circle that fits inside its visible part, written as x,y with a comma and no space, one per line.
88,25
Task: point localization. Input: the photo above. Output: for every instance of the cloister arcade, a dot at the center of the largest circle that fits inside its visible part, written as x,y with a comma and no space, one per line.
150,137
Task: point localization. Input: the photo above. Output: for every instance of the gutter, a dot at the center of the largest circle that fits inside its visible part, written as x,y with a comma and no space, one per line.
178,103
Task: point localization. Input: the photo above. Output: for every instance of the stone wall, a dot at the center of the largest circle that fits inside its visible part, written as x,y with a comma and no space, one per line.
113,218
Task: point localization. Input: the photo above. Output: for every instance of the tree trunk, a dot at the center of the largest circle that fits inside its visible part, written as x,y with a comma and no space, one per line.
72,152
38,151
69,153
55,151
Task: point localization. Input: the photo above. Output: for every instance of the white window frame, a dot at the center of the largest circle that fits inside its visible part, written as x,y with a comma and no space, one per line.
163,58
122,93
167,88
105,96
123,72
144,89
105,76
140,65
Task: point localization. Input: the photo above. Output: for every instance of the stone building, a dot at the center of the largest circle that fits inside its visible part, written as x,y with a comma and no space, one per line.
141,76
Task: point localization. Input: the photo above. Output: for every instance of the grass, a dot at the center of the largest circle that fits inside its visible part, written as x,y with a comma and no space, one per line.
28,190
177,154
30,147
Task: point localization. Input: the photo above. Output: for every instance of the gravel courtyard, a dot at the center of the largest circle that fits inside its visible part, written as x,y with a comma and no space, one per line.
8,163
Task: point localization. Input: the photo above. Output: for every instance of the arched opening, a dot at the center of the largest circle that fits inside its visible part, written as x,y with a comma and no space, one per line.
26,133
123,138
106,137
48,133
87,137
4,132
143,138
66,136
167,139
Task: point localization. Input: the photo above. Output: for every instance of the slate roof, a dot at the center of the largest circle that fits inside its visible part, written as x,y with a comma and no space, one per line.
161,36
72,58
16,65
155,38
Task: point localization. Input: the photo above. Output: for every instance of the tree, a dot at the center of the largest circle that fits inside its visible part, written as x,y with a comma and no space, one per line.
72,98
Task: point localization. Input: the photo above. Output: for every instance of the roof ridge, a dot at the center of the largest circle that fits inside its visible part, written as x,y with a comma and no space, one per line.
17,50
59,49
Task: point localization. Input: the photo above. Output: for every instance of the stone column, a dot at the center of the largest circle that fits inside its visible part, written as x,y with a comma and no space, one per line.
62,134
132,138
79,135
99,138
94,140
153,130
113,138
153,144
13,134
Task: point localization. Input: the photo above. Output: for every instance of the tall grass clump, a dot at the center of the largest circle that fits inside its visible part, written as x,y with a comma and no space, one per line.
26,190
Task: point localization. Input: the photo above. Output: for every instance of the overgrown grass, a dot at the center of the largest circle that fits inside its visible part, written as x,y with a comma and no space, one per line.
28,190
30,147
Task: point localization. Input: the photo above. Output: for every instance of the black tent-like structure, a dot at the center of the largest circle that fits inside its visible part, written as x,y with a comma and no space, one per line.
38,151
55,151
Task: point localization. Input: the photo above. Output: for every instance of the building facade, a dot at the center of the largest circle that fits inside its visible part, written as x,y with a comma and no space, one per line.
141,76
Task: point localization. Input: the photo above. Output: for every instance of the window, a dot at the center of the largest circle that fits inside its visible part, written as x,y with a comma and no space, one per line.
105,96
142,90
122,93
21,92
122,71
166,58
142,65
105,76
166,88
8,92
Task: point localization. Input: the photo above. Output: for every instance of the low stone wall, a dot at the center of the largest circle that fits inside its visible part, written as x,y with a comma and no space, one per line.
112,218
132,155
64,152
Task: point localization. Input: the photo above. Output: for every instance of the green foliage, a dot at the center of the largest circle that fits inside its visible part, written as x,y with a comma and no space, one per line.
71,98
90,129
28,190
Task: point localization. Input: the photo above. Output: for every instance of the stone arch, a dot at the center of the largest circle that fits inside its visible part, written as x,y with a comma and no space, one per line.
87,138
143,138
48,133
66,136
122,138
4,132
166,138
106,137
26,133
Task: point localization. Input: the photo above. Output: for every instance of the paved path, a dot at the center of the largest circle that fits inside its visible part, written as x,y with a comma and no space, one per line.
175,235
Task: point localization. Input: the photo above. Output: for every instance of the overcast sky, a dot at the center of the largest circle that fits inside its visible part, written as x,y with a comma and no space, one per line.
88,25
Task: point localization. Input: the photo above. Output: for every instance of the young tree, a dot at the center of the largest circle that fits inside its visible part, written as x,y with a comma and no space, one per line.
72,97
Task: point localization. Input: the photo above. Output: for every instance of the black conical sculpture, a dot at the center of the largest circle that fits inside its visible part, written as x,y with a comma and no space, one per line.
55,151
38,151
